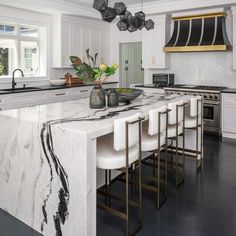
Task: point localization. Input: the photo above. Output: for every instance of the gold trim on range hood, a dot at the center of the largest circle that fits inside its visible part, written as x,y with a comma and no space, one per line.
199,33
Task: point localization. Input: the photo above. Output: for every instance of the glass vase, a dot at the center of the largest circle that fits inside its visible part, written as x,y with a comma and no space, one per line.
97,97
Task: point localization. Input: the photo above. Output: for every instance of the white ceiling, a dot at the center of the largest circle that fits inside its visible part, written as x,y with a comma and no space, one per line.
111,2
84,7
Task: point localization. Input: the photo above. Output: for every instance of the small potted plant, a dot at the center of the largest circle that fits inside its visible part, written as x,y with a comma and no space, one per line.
91,73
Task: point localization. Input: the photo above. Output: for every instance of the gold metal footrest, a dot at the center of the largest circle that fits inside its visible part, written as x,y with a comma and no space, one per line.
112,211
131,203
144,186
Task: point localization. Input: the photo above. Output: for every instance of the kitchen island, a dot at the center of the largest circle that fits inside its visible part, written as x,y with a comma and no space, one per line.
48,176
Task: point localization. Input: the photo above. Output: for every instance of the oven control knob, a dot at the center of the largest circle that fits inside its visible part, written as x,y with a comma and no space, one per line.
211,97
205,96
215,97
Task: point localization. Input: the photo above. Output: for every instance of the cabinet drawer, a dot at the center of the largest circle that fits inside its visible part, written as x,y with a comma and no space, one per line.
28,98
60,94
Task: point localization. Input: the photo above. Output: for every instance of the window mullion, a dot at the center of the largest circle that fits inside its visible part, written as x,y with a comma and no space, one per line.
18,49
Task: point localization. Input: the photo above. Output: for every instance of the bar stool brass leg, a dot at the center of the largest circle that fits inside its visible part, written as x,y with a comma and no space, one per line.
183,153
197,146
127,201
201,146
171,153
158,179
106,186
109,173
154,166
177,162
127,180
166,168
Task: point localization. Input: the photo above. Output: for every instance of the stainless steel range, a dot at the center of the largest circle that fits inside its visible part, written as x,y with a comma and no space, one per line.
211,103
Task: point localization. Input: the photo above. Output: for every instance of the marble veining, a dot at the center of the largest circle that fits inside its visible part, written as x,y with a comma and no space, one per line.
44,170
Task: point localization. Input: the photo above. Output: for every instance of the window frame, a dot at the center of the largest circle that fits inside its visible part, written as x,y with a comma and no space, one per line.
43,73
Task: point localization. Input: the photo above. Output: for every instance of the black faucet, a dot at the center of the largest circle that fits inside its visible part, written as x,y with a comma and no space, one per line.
13,83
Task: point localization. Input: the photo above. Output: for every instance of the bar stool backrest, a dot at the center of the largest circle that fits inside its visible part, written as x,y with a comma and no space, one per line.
153,127
120,132
172,114
194,102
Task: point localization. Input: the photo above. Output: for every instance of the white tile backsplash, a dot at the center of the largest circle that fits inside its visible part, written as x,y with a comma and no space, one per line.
205,68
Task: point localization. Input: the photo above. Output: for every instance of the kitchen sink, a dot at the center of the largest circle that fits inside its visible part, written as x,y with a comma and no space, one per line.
20,89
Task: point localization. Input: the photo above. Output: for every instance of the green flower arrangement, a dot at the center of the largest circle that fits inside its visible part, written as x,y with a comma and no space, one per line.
90,72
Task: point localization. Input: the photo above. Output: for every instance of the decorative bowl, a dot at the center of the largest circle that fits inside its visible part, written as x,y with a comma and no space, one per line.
127,94
58,82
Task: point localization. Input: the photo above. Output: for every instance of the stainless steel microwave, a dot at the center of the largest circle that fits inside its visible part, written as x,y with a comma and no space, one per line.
163,79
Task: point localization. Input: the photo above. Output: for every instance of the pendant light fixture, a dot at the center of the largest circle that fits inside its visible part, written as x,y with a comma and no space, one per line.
127,22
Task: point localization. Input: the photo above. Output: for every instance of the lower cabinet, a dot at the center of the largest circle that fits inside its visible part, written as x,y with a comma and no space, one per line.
17,100
228,115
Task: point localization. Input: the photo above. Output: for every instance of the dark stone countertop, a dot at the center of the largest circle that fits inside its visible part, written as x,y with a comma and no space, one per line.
229,90
46,87
149,86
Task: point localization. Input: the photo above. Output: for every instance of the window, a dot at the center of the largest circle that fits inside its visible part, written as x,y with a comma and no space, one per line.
7,29
29,57
20,48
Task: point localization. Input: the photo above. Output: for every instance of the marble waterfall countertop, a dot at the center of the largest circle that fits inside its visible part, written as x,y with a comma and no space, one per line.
48,162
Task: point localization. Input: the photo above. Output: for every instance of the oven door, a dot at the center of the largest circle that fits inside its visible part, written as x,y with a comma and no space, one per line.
211,116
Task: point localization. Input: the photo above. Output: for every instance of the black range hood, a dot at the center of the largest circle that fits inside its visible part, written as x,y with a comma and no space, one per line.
199,33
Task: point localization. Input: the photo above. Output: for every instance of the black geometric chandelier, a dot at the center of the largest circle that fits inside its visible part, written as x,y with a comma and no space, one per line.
127,21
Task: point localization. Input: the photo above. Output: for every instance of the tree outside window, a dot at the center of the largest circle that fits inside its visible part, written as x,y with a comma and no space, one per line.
3,61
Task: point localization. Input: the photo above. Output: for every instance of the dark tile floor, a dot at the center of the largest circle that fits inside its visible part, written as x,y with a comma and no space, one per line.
204,206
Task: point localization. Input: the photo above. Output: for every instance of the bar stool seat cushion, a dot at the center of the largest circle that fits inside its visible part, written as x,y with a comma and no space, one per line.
172,130
108,158
190,122
150,142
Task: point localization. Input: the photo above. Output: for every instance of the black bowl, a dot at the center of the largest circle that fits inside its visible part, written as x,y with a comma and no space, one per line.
128,96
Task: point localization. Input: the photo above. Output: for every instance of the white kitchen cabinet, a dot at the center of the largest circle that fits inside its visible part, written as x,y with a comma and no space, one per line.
228,115
234,37
23,99
72,36
16,100
153,56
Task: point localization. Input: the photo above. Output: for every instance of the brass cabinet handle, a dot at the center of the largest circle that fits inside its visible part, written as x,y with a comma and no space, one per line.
60,94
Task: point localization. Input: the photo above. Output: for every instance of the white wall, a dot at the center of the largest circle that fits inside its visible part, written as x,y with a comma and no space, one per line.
205,68
209,68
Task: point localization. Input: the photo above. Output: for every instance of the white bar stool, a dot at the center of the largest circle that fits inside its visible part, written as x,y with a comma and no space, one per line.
175,129
118,152
153,140
194,121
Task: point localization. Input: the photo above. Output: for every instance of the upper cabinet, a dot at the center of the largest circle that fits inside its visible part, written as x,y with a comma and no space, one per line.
72,36
153,43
